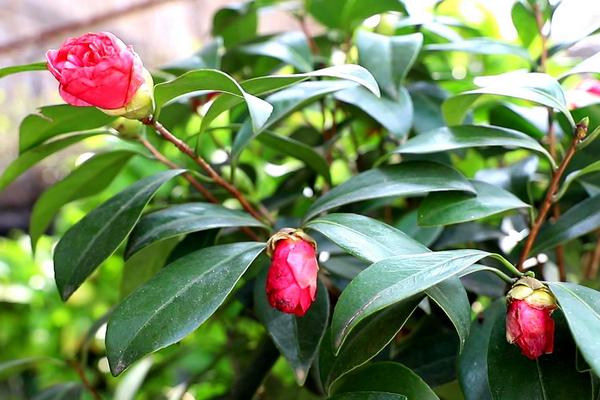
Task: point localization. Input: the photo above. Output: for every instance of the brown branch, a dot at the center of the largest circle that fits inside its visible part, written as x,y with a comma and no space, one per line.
579,135
314,49
193,181
592,268
77,367
187,150
73,26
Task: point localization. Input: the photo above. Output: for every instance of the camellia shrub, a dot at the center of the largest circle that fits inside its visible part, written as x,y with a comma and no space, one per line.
400,207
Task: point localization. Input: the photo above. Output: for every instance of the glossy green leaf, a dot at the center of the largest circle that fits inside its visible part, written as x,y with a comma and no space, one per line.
51,121
524,21
212,80
267,84
285,103
480,46
535,87
368,396
424,235
100,233
184,218
236,23
90,178
365,342
581,307
579,220
192,288
406,179
143,265
465,136
395,279
297,338
564,187
37,154
14,69
395,115
388,58
291,48
364,237
473,361
296,149
386,376
346,15
454,207
451,297
512,376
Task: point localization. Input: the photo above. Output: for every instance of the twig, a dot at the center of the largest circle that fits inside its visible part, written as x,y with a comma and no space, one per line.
187,150
592,268
579,135
77,367
314,49
193,181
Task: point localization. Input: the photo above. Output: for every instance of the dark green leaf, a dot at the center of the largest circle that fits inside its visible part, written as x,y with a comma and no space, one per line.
55,120
365,237
285,103
473,361
297,338
465,136
424,235
406,179
39,66
451,297
392,280
191,288
589,169
266,84
90,178
452,208
296,149
185,218
142,266
369,338
524,21
291,48
535,87
37,154
395,115
211,80
579,220
346,15
512,376
389,58
386,376
235,23
100,233
581,307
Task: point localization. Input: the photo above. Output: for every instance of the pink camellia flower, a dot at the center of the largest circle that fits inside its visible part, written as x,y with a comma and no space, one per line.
292,278
528,320
98,69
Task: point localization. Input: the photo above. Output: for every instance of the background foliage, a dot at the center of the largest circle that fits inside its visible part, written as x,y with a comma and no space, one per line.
427,163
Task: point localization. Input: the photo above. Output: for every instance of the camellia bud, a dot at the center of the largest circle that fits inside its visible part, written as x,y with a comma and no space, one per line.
528,320
292,278
98,69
